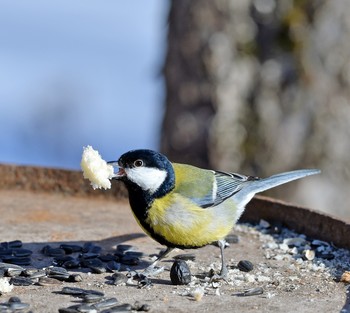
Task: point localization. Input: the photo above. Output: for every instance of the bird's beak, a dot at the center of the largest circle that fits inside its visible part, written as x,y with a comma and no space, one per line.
121,172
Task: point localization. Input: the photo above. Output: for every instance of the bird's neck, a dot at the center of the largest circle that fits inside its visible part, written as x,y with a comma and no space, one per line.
140,199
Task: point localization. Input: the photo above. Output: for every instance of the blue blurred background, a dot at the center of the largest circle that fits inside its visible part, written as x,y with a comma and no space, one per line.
76,73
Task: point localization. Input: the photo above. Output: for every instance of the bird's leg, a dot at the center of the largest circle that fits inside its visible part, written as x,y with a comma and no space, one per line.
223,271
152,270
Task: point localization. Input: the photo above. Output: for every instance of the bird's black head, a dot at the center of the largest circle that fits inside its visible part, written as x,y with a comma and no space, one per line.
147,169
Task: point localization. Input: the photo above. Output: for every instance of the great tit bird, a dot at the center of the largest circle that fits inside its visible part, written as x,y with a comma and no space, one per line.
182,206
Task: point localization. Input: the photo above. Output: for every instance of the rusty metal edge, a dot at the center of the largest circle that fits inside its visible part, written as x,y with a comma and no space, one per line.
42,179
303,220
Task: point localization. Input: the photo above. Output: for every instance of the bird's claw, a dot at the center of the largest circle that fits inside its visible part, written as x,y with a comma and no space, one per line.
152,271
222,276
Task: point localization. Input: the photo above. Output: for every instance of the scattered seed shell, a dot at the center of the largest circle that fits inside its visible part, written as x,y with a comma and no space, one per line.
345,277
180,273
245,266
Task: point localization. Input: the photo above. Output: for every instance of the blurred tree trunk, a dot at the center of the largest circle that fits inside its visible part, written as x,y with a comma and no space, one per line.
260,87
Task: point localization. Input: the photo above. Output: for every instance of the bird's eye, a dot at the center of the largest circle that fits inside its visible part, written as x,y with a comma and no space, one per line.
138,163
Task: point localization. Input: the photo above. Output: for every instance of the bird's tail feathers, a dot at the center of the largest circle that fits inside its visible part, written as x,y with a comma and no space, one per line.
255,186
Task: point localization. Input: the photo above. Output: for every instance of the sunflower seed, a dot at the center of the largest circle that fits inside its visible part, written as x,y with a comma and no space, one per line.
75,291
15,244
126,307
90,298
55,270
17,260
108,303
71,248
86,308
75,278
68,310
18,306
14,299
185,257
13,272
113,266
245,266
22,252
107,257
21,281
8,265
60,260
232,238
71,264
251,292
180,273
129,260
141,307
53,252
119,278
48,281
95,265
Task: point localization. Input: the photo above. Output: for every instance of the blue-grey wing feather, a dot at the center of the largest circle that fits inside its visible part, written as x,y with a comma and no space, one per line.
228,184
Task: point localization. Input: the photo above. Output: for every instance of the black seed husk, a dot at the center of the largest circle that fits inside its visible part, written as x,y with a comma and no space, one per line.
108,303
113,266
245,266
21,281
119,278
180,273
14,299
232,238
251,292
185,257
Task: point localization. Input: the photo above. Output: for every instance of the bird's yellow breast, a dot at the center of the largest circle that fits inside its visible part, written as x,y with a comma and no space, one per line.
181,222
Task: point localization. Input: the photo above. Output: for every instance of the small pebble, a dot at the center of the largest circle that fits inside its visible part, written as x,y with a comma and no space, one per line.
294,242
309,254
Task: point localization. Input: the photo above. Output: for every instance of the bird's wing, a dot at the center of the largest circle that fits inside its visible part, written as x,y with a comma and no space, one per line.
228,184
208,188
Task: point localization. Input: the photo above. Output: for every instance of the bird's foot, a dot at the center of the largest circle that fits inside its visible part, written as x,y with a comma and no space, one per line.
152,271
222,276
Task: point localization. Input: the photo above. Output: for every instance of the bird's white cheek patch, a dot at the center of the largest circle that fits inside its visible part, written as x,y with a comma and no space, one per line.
149,179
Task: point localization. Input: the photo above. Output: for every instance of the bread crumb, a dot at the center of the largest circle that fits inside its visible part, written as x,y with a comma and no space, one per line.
96,169
5,286
198,294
